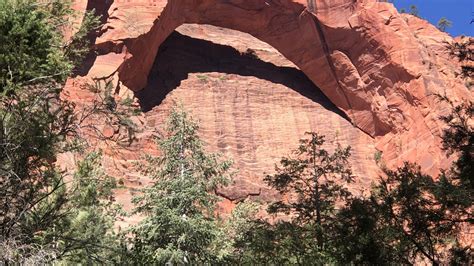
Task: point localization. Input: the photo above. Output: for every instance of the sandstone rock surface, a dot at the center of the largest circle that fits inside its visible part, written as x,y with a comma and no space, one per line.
256,98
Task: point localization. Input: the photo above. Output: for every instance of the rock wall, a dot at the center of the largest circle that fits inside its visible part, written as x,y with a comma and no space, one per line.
380,68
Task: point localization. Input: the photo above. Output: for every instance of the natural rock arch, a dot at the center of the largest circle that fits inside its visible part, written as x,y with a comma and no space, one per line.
288,26
379,67
182,55
251,107
320,43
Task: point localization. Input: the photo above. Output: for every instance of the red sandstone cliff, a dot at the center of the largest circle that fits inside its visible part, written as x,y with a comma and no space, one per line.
356,71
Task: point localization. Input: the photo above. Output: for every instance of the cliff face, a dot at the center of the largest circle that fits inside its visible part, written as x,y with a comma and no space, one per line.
355,71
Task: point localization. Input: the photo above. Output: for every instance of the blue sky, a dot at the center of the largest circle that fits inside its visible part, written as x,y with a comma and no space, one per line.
459,12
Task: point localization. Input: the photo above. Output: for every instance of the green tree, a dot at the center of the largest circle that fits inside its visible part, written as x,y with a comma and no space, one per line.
418,212
312,182
412,10
408,217
458,138
32,46
42,217
458,183
31,131
358,238
85,233
411,216
180,224
444,24
234,233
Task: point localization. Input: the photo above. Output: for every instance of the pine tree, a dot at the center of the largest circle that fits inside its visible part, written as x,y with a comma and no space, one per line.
31,133
411,216
444,24
458,138
414,11
42,218
32,46
312,181
85,233
180,224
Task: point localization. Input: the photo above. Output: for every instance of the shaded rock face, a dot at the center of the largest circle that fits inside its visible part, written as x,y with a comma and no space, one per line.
356,71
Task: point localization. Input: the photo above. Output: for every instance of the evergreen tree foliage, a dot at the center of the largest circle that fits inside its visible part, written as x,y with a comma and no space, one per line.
313,183
30,133
233,234
412,10
458,138
444,24
409,203
30,44
358,239
180,224
86,232
43,217
410,216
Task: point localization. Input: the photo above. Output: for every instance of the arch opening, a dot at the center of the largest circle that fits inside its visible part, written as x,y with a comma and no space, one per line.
288,26
181,55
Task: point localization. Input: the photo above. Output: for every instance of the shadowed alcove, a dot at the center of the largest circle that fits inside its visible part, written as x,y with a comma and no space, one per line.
181,55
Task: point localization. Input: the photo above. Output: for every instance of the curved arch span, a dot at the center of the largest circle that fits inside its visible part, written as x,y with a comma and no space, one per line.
286,25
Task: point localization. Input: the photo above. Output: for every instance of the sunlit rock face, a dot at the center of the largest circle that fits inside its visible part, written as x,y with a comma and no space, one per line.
356,71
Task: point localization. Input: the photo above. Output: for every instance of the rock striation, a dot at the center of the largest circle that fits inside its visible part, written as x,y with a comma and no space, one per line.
382,69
